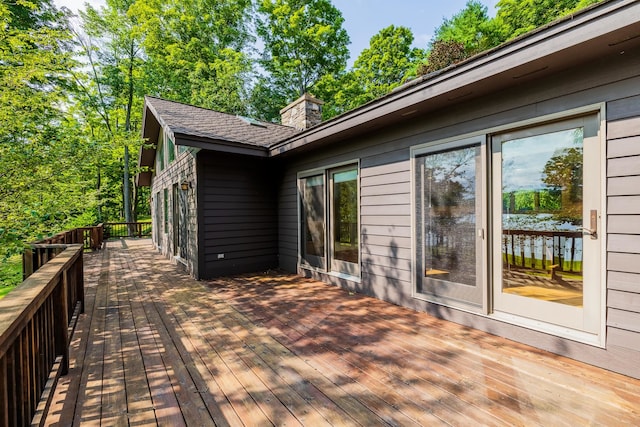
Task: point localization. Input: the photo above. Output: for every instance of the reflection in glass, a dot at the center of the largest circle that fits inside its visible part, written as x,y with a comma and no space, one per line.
345,215
313,220
542,216
450,215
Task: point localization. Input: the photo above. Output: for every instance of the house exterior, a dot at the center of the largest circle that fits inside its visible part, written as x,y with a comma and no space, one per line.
502,193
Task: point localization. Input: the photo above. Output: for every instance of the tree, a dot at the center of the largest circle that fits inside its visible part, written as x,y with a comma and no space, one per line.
470,31
303,41
113,90
564,172
516,17
468,27
42,175
196,51
442,55
384,65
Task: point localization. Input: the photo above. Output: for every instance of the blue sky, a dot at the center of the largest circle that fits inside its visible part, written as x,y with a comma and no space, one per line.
364,18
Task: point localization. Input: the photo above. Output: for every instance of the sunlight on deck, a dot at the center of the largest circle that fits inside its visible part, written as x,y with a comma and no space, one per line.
156,347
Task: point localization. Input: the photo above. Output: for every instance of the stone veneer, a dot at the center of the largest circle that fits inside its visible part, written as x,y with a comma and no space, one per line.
303,113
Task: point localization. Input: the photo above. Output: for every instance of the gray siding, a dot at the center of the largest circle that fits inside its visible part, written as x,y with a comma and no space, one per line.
385,199
623,244
238,215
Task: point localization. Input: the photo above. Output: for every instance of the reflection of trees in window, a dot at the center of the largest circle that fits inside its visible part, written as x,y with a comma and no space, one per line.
449,213
313,216
563,172
557,188
346,210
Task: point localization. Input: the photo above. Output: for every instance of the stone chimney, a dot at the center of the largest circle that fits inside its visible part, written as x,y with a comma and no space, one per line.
302,113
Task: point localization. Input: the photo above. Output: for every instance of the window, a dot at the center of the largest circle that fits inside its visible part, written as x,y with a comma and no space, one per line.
171,150
160,152
449,216
329,227
507,224
166,210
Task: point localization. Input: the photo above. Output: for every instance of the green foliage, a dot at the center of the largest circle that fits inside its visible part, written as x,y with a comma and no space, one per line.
384,65
468,27
442,55
471,31
303,41
516,17
195,51
41,167
10,273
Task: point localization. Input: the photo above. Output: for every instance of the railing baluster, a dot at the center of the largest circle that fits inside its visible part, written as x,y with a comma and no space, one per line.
513,240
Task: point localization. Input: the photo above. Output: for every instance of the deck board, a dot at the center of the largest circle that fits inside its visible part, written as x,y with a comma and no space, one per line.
156,347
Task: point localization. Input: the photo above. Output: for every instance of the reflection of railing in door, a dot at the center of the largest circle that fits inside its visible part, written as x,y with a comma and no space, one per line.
561,250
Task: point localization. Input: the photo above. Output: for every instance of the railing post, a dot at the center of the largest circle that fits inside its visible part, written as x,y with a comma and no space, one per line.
27,263
79,269
61,323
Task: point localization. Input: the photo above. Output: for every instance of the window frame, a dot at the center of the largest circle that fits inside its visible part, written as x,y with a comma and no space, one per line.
325,172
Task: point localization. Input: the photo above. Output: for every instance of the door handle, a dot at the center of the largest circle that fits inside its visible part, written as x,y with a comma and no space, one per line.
593,224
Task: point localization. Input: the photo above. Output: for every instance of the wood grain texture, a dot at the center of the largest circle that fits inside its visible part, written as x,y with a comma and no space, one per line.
279,349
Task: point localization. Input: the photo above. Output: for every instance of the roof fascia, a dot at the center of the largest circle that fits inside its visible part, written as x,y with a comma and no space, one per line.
220,145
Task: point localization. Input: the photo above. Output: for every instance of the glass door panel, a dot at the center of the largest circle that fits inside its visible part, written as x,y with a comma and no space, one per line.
450,244
542,217
312,202
344,220
543,202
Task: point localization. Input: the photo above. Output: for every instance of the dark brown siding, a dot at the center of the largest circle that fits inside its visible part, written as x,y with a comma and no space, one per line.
385,199
239,224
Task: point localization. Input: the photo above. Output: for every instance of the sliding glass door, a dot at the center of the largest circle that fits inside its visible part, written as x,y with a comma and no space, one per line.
312,227
450,222
329,212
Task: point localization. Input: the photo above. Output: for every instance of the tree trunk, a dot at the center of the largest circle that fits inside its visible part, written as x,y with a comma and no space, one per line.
128,217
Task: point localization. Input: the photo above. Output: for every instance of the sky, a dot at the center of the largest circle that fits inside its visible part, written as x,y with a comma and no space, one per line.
365,18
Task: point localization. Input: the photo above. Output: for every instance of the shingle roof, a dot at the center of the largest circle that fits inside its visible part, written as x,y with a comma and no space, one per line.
200,122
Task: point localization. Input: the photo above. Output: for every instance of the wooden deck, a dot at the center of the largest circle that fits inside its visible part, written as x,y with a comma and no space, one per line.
158,348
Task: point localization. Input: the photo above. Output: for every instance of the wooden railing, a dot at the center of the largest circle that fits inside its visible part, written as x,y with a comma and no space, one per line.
36,321
127,229
560,249
40,252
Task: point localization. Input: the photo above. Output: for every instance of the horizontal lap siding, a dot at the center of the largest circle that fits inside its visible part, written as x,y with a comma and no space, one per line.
623,222
386,227
385,197
385,215
239,216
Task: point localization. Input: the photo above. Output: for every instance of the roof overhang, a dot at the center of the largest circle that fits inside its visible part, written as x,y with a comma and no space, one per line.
604,30
152,124
147,155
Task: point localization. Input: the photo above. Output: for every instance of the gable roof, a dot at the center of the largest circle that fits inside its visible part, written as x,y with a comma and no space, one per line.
199,127
190,121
